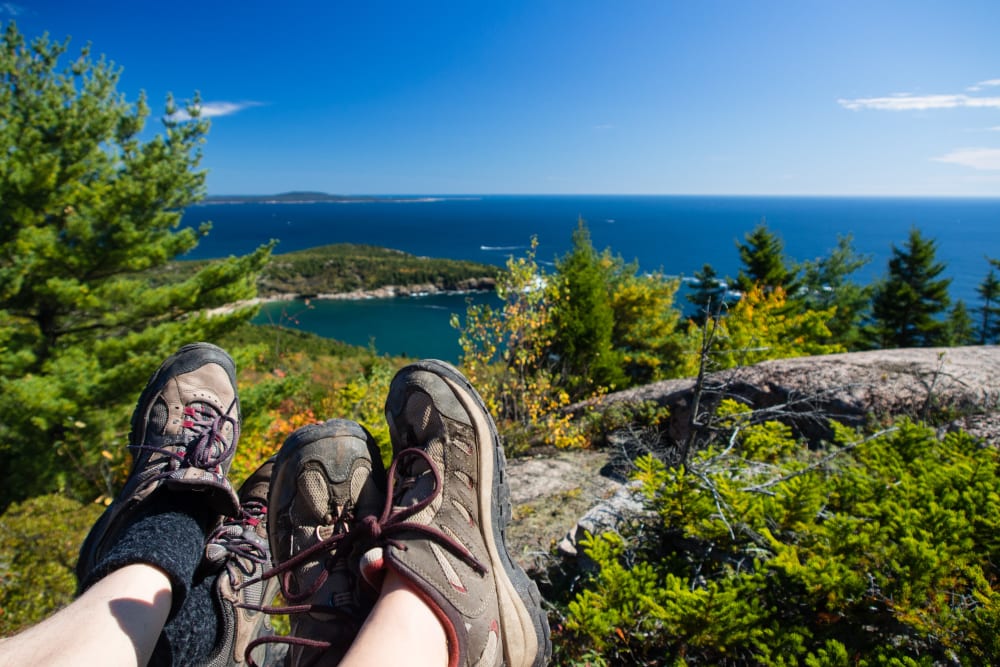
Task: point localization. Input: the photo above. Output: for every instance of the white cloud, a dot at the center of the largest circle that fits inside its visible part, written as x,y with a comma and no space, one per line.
911,102
11,9
986,159
908,102
215,109
604,126
989,83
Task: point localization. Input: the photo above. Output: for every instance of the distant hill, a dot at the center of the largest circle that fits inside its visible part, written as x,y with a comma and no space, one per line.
301,197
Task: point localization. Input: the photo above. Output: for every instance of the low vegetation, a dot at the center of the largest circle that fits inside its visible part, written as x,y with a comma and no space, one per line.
876,549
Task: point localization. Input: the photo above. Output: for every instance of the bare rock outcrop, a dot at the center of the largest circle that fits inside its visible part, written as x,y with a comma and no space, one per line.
852,388
954,387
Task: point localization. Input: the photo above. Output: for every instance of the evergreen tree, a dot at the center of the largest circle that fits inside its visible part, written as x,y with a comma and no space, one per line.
593,324
907,305
764,262
89,219
708,294
989,312
583,318
826,283
960,329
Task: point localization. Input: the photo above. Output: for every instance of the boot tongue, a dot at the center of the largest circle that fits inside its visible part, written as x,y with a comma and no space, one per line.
416,486
325,532
417,483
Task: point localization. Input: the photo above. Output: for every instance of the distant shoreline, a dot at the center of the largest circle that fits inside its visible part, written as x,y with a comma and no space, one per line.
384,292
324,198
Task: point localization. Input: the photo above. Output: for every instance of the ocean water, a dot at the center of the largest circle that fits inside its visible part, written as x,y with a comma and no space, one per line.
417,327
674,234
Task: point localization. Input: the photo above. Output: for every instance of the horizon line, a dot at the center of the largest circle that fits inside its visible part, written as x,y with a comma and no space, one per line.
466,195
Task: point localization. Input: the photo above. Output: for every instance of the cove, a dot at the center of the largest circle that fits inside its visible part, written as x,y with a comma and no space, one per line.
413,326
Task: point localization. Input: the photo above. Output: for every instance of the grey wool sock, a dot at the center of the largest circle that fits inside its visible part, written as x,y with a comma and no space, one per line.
190,637
169,533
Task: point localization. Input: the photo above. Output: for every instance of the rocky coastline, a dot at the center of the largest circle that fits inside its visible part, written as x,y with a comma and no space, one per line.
468,286
392,291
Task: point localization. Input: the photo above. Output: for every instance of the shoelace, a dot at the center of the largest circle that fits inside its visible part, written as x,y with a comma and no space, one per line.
246,549
370,530
207,425
393,520
346,622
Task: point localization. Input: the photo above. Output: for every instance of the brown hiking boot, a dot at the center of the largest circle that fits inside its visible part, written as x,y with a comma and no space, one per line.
327,478
445,529
185,429
239,548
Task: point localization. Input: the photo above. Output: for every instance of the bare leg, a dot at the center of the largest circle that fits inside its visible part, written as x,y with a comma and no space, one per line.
115,622
401,630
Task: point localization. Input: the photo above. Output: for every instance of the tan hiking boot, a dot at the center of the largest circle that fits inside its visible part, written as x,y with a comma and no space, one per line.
445,531
327,478
185,429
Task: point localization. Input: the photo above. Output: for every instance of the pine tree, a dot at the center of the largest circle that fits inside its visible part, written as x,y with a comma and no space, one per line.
89,220
826,283
708,294
988,330
961,330
908,304
764,262
583,318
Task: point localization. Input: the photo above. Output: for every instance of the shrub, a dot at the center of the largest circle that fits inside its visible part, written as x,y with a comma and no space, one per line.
868,551
39,543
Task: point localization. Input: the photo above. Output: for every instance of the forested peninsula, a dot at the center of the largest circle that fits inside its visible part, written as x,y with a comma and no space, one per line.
347,271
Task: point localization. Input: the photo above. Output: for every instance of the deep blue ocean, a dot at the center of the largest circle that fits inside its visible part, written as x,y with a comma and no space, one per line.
675,234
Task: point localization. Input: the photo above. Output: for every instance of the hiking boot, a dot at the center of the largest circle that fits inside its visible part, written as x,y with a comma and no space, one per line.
328,478
239,549
185,429
445,530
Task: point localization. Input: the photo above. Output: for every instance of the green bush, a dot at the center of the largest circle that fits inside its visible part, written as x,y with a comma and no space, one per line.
869,551
39,543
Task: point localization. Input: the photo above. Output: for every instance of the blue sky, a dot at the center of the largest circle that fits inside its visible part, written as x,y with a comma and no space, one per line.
579,97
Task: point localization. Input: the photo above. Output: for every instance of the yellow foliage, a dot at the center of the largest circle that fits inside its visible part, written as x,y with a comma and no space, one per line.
504,353
763,325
